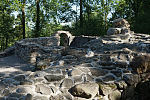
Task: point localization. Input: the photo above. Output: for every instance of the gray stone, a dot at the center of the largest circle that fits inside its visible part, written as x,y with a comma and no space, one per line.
105,58
5,92
106,89
89,77
26,82
52,78
85,90
40,88
41,65
78,79
7,52
76,72
98,80
108,78
132,79
24,89
141,64
109,67
116,73
128,94
84,69
58,97
98,72
80,41
115,95
53,71
121,85
22,98
79,98
11,98
28,97
67,95
39,74
90,53
53,89
106,63
38,80
67,83
15,95
9,81
120,22
40,98
2,98
85,65
122,57
20,77
121,64
113,31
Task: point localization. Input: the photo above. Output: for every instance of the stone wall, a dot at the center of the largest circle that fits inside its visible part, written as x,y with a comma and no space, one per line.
29,49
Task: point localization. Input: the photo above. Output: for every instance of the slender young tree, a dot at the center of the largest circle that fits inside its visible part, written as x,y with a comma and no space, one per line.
23,18
81,14
37,27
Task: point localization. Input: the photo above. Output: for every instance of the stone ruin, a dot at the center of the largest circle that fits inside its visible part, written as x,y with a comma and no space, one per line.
30,49
120,26
84,68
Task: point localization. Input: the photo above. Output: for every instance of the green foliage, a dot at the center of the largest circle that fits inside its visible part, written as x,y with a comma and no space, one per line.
92,26
6,25
97,17
142,21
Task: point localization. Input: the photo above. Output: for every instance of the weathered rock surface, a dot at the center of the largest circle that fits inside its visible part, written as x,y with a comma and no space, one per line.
51,78
115,95
106,89
67,83
85,90
40,88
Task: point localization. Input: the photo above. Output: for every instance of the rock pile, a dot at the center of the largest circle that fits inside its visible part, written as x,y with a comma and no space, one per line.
120,26
98,69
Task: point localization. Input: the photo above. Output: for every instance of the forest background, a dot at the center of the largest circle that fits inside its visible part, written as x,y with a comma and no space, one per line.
20,19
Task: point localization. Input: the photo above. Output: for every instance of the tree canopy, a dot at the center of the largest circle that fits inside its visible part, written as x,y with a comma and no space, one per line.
38,18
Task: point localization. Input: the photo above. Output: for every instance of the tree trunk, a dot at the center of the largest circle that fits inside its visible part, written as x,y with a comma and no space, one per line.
2,43
81,15
23,19
88,10
3,47
6,42
37,18
106,14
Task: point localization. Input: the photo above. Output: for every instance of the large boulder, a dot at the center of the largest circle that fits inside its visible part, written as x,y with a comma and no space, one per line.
120,22
106,89
113,31
141,64
85,90
40,88
67,83
52,78
128,94
116,95
120,26
140,92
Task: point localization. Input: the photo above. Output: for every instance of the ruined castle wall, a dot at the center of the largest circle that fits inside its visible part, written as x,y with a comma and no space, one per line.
29,49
